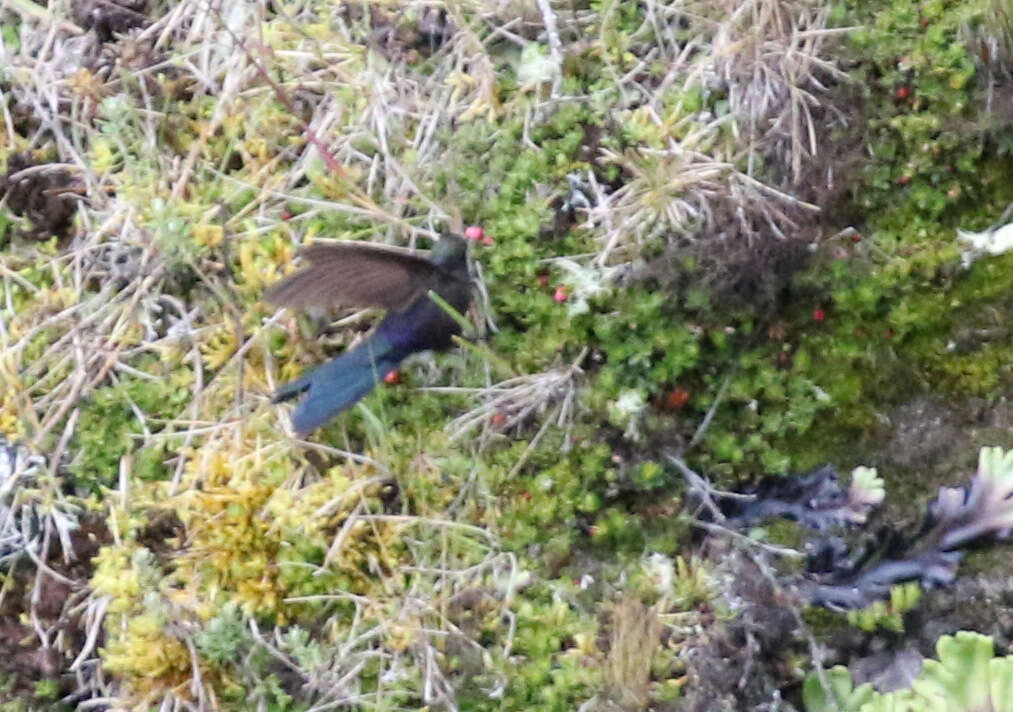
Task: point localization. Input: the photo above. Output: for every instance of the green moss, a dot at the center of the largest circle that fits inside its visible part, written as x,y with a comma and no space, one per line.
545,671
889,614
47,690
108,426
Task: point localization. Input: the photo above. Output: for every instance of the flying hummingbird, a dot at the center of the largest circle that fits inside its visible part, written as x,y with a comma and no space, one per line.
365,275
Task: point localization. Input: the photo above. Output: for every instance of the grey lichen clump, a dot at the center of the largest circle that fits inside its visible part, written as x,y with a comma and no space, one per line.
846,575
27,517
958,517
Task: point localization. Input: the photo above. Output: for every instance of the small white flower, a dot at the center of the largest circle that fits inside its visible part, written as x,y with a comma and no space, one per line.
536,67
661,570
629,403
584,283
626,409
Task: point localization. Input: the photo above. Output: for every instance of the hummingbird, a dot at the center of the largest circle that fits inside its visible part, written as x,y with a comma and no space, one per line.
365,275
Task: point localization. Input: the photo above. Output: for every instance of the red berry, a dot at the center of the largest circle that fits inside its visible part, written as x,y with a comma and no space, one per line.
498,419
392,378
474,232
819,315
904,180
856,237
560,294
487,241
286,215
677,397
902,92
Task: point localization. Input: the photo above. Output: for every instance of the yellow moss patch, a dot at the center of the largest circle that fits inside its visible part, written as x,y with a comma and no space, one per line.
219,346
208,235
10,421
145,654
140,646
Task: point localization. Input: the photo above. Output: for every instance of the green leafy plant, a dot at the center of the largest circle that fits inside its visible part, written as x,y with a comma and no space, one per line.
888,614
966,676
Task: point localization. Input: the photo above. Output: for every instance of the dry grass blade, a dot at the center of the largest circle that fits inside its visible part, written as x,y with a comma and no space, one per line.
768,53
517,399
636,635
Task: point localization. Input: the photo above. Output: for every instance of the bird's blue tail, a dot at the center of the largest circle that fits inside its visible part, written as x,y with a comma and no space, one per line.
337,384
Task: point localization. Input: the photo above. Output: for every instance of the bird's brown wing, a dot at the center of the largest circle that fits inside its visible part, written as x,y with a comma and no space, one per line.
356,275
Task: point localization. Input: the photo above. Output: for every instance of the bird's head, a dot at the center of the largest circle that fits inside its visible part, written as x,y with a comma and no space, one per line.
449,250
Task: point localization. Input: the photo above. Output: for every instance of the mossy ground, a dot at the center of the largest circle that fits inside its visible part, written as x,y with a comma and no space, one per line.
450,541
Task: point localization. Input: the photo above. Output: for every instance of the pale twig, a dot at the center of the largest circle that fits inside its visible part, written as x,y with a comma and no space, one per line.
706,492
705,423
555,45
519,397
96,613
27,8
748,542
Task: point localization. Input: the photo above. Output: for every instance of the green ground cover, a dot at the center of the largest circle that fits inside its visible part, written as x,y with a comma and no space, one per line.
724,230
